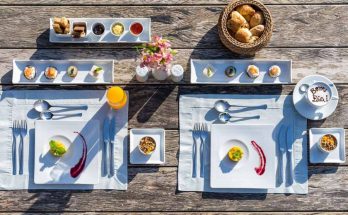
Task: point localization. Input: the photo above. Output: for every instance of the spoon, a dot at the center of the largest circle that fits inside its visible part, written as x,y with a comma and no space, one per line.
49,115
43,106
223,106
225,117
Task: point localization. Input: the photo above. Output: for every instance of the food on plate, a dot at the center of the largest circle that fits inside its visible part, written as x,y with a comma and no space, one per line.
72,71
262,167
236,21
243,35
274,71
29,72
51,72
136,28
246,11
96,71
208,71
328,142
98,29
230,71
78,168
235,153
147,145
253,39
253,71
57,148
61,25
257,30
256,19
117,29
79,29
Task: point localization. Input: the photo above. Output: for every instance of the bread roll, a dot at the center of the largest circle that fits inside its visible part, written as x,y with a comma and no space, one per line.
64,22
246,11
56,20
237,21
256,19
57,29
253,39
243,35
257,30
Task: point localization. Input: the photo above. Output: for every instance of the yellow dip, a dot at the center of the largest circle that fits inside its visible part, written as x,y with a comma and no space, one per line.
117,29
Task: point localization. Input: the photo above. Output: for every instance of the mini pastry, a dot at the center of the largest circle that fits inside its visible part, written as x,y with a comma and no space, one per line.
230,71
256,19
246,11
57,148
235,153
243,35
96,71
274,71
253,71
51,72
253,39
72,71
29,72
257,30
237,21
208,71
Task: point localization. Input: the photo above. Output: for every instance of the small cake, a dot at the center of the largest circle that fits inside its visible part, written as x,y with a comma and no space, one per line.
72,71
51,72
274,71
208,71
253,71
57,148
235,153
230,71
29,72
96,71
147,145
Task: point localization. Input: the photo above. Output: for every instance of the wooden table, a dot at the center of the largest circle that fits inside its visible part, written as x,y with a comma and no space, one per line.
313,33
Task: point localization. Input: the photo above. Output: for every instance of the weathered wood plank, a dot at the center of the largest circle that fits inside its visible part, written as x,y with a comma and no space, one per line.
330,62
194,26
155,189
193,213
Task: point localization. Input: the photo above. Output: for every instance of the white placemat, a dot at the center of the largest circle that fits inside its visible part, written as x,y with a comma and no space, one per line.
17,105
199,108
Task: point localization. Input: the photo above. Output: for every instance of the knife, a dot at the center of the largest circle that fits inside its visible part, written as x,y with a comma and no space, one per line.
106,135
289,145
281,145
112,143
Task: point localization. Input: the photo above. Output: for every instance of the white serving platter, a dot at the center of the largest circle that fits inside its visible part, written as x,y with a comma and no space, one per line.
318,156
225,173
52,170
197,76
107,36
158,156
83,76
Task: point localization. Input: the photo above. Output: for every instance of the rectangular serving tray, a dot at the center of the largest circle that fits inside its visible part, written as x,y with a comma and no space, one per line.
107,36
197,76
83,76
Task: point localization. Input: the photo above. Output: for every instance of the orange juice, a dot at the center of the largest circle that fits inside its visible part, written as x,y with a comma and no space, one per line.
116,97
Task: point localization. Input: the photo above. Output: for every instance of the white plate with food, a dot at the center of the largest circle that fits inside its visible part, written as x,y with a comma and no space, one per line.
315,97
100,30
327,145
63,72
242,156
147,146
241,71
67,152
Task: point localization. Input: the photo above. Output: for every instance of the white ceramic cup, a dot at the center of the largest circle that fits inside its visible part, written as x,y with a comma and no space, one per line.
319,94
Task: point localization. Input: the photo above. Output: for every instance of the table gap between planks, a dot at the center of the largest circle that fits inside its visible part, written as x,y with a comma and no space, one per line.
310,32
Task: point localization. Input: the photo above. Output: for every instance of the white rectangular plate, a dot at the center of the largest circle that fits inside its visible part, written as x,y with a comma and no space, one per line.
53,170
241,77
107,36
158,156
83,76
336,156
225,173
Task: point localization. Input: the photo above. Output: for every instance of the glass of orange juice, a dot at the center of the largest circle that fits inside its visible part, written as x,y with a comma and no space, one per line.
116,97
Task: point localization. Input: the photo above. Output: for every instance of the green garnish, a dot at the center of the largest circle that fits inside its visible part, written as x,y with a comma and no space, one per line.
57,148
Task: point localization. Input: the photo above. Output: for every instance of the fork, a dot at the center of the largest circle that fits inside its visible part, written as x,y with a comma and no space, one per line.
204,135
15,132
23,132
196,138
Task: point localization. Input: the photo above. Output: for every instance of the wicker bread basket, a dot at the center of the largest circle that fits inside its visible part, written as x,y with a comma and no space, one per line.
234,45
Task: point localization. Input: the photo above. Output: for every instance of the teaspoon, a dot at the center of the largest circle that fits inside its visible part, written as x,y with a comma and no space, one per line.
223,106
43,106
49,115
225,117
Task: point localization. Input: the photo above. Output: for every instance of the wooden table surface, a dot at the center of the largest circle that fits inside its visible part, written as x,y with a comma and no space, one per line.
313,33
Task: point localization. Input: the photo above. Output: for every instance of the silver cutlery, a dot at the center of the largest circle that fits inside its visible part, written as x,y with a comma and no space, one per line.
204,133
23,132
112,143
281,145
106,135
196,138
226,117
44,106
15,132
223,106
50,115
289,144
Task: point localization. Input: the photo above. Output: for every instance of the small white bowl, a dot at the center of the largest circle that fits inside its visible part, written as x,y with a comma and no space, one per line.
324,150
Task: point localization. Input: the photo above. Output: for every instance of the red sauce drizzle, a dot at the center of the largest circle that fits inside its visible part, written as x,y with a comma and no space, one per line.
136,28
262,168
77,169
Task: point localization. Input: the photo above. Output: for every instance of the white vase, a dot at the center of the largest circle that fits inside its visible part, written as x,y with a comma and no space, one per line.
161,73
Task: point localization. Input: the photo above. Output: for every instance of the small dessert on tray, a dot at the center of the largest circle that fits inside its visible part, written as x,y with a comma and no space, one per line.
51,72
209,71
253,71
29,72
274,71
235,153
96,71
61,25
72,71
79,29
230,71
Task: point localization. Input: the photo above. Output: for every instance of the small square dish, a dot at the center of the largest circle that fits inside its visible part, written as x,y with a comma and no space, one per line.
317,155
137,156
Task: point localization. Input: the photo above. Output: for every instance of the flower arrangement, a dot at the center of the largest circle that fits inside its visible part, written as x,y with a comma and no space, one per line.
156,54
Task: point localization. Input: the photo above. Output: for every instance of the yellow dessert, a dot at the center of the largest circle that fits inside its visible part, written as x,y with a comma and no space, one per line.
235,153
57,148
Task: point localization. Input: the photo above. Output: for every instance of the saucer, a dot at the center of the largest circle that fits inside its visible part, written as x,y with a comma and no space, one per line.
317,156
302,105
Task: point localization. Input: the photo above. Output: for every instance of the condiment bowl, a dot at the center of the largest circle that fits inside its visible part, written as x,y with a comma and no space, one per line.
322,148
117,23
149,153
